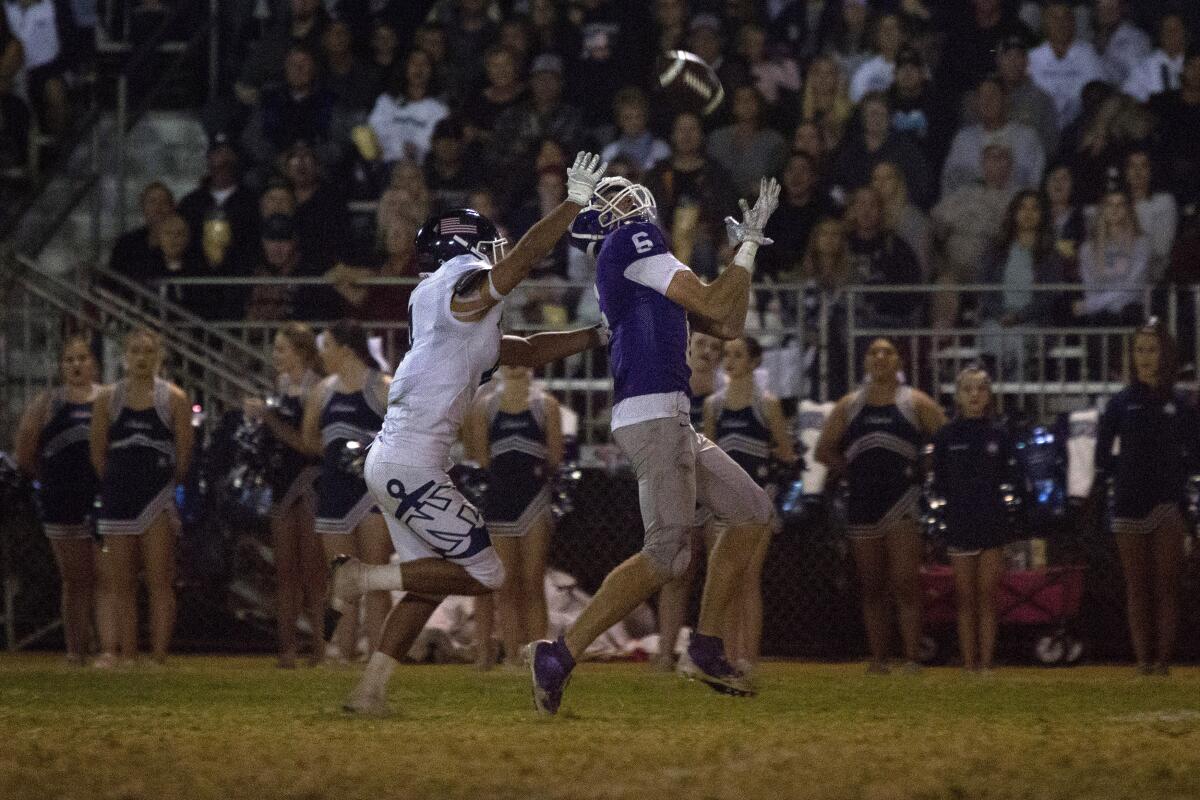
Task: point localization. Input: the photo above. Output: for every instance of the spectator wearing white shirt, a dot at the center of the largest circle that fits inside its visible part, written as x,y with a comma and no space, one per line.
964,164
1120,44
405,115
1114,264
35,23
1162,70
1157,211
877,74
1062,65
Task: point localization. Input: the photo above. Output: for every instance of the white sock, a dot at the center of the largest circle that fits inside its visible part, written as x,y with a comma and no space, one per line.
377,674
382,578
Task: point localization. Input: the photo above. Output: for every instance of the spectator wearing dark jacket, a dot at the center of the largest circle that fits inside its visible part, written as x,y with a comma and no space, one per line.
878,257
801,205
14,116
694,195
283,258
874,141
543,114
300,110
322,220
223,194
354,84
133,254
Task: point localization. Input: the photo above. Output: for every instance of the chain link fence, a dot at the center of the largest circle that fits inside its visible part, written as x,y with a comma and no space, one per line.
810,597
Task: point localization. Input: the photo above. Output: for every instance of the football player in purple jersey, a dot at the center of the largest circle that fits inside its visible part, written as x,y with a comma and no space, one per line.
648,298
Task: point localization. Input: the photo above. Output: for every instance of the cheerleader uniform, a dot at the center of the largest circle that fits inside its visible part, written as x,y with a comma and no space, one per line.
293,474
343,500
744,435
139,469
972,459
881,446
67,482
1158,441
517,490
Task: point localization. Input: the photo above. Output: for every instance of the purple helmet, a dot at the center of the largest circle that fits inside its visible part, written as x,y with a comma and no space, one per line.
615,202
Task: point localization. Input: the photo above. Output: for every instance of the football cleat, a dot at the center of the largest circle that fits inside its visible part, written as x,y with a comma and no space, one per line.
704,661
550,665
367,704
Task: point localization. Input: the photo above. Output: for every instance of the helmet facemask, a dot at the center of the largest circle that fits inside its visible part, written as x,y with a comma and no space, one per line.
617,199
491,251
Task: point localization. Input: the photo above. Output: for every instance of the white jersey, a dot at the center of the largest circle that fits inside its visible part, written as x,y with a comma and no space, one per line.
438,377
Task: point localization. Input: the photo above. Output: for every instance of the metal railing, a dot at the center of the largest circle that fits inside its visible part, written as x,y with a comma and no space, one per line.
214,368
95,146
1040,368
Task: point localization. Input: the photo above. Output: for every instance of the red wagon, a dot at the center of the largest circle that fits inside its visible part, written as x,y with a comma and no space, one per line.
1044,600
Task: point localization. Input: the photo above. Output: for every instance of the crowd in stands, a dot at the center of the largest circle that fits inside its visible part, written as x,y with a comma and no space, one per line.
917,141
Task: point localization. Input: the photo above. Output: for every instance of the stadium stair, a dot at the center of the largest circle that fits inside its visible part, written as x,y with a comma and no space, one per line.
51,278
38,307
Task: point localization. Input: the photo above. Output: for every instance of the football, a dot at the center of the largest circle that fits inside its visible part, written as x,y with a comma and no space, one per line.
687,83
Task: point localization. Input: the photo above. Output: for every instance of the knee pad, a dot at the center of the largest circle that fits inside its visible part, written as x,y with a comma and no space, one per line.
489,572
668,551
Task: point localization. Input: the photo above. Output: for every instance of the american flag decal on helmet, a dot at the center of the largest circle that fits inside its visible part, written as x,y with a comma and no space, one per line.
449,226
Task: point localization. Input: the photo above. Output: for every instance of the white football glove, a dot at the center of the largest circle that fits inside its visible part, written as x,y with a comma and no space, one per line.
754,220
583,177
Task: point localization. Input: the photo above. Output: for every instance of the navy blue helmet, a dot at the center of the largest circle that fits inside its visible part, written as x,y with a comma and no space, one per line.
458,232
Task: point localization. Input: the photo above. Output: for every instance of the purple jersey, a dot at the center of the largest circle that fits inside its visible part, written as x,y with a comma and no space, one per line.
649,332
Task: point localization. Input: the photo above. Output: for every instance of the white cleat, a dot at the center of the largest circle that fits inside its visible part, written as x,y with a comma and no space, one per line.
367,704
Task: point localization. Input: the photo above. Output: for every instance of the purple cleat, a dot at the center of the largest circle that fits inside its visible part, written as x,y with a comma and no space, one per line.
550,664
705,661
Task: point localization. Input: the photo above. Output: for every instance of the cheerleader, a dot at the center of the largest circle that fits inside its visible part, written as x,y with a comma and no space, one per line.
974,465
703,356
141,444
1157,433
872,438
342,414
515,432
748,424
52,448
299,561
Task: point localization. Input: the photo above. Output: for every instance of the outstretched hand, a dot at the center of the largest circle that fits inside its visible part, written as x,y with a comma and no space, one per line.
754,220
583,177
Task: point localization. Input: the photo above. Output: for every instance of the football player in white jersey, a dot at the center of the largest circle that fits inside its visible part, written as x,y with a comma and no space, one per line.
454,319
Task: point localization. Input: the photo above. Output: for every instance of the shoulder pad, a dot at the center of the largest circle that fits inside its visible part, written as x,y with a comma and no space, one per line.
634,240
470,281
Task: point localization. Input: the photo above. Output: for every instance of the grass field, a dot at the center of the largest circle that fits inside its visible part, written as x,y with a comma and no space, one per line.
223,727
